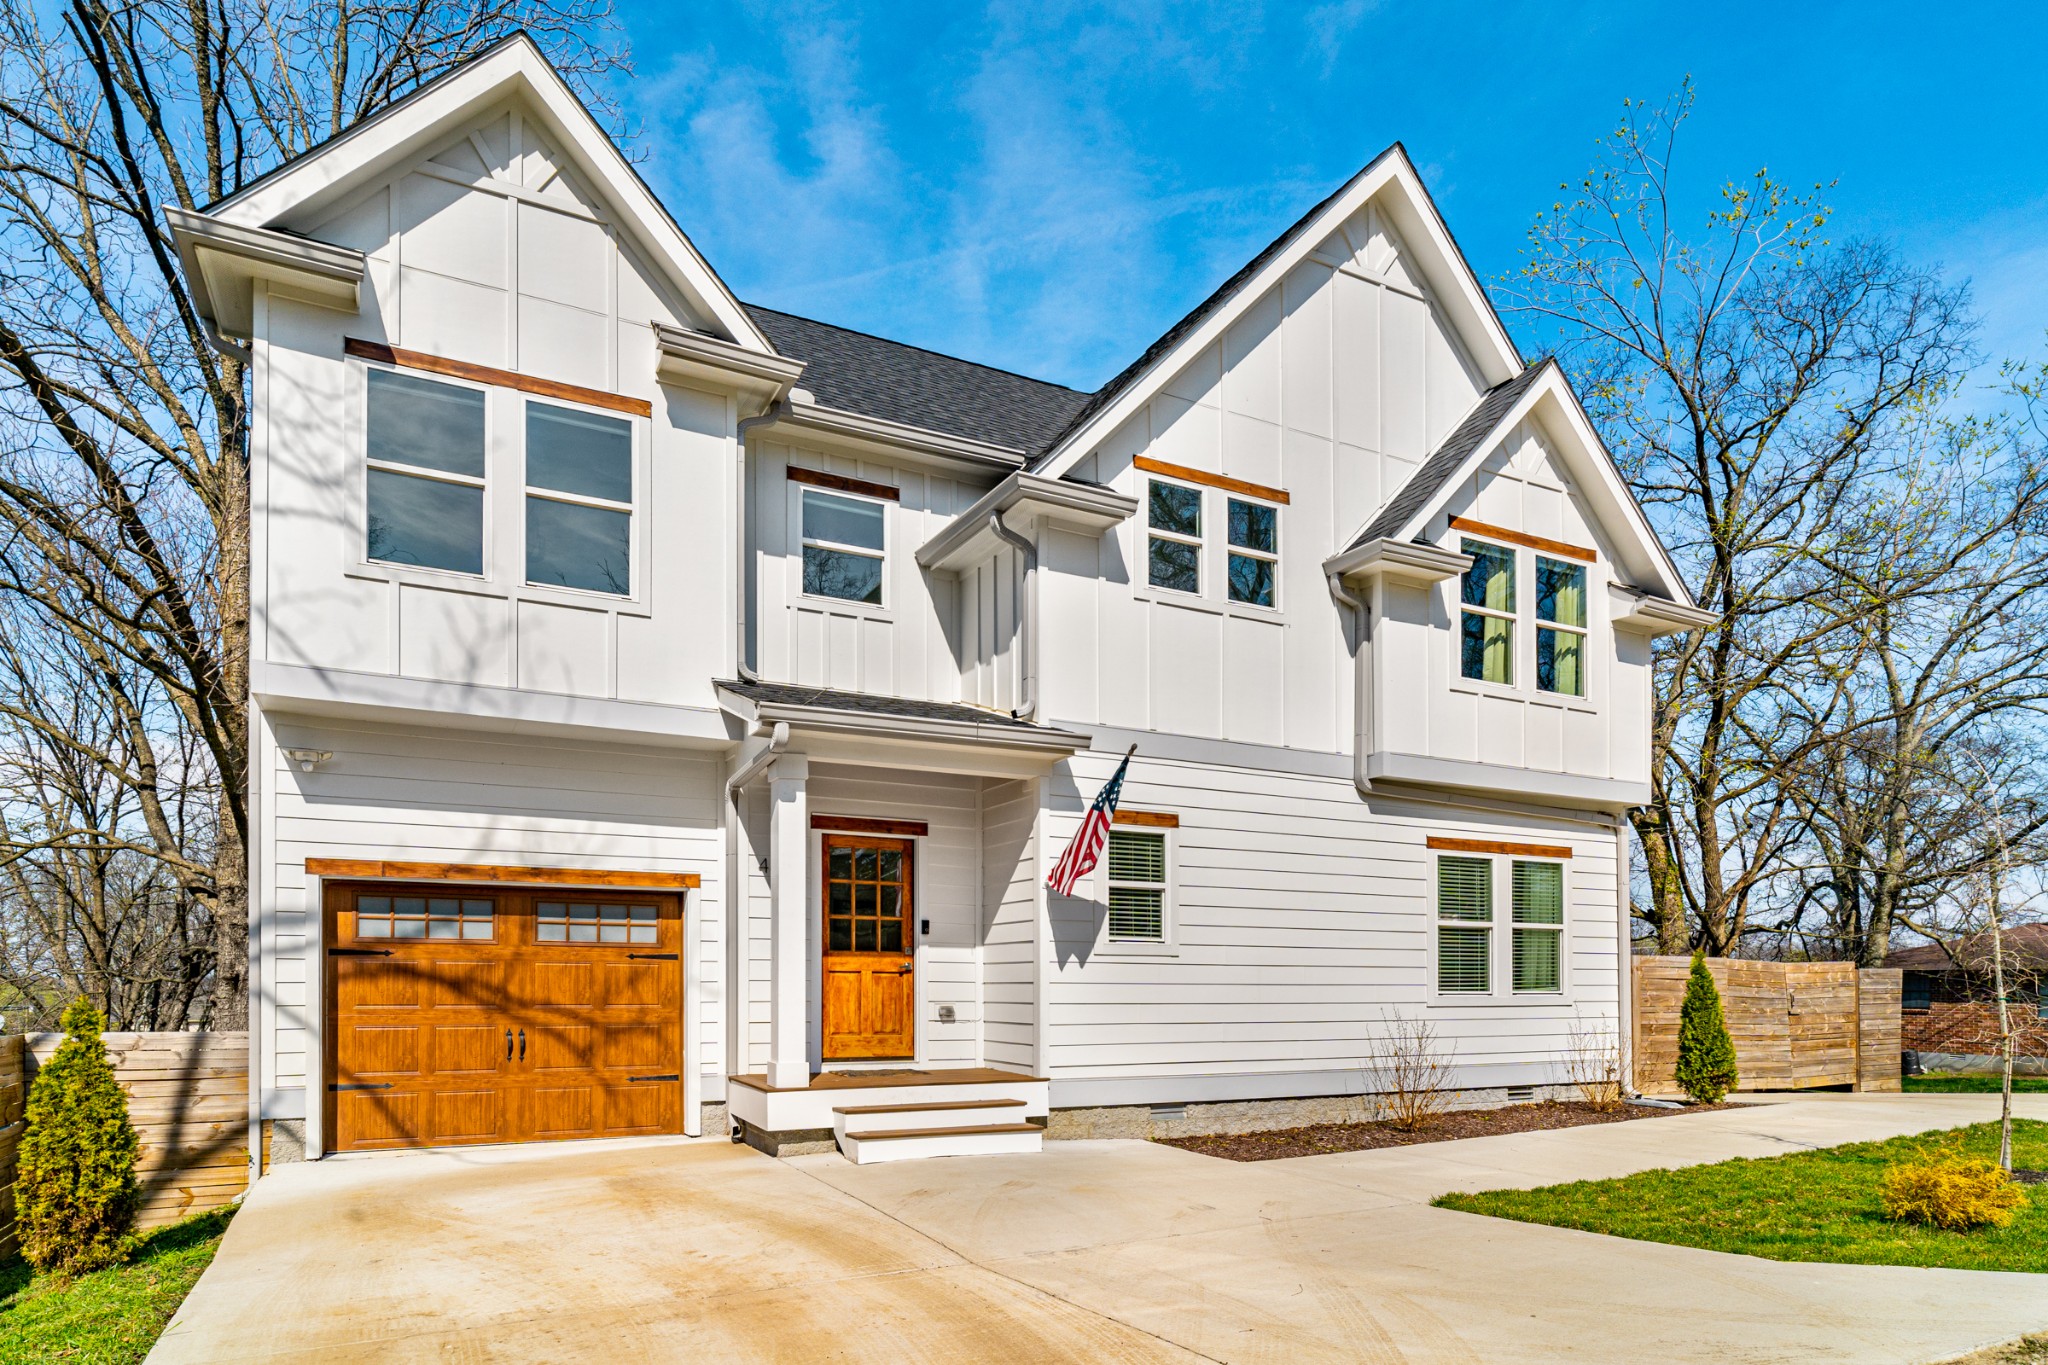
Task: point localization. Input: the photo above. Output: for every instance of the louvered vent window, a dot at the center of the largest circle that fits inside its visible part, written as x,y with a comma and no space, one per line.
1464,933
1539,926
1137,886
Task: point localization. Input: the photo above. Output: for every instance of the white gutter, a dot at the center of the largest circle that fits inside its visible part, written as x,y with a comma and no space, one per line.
1027,613
1361,740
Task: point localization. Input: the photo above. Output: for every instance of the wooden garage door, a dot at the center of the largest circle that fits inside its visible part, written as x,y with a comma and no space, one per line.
466,1014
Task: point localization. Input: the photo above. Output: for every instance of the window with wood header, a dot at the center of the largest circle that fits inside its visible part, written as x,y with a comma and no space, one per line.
1537,896
1254,534
579,500
1173,551
844,546
1486,649
425,479
1137,862
1464,931
1560,627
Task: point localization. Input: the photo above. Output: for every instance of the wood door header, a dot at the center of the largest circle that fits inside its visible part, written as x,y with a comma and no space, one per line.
1150,819
820,479
1556,547
1223,481
860,824
485,374
508,876
1491,846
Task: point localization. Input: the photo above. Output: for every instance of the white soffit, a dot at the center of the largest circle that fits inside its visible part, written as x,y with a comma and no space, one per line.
301,190
1392,181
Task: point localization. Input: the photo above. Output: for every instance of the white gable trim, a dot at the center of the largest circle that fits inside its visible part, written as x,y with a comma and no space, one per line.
1449,276
381,144
1550,401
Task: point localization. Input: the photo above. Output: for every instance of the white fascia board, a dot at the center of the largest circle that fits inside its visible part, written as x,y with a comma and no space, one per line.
1544,788
1592,467
968,539
690,357
408,128
1636,610
1442,265
863,434
223,261
814,722
1406,560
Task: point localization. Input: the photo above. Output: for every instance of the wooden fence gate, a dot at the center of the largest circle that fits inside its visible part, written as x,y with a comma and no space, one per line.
1796,1025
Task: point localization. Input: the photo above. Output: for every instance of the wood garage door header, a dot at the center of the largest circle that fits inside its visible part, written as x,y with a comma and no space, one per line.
493,872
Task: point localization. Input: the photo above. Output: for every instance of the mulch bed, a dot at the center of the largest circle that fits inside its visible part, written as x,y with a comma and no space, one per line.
1320,1138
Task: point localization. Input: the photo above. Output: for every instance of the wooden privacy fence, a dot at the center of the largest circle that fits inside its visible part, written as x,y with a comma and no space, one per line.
188,1097
1796,1025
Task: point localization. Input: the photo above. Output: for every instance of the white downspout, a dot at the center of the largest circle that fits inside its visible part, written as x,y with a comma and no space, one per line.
1027,613
1361,744
778,740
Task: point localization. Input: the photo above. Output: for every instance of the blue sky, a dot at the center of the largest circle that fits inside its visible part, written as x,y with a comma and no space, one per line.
1047,186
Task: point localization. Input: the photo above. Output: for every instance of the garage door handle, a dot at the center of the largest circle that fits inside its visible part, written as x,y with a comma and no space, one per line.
522,1045
381,1085
508,1045
359,952
672,1076
653,957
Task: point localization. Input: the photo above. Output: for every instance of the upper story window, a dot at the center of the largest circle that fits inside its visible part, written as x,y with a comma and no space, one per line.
845,546
426,473
1137,885
1486,649
1560,627
1174,544
1254,552
579,500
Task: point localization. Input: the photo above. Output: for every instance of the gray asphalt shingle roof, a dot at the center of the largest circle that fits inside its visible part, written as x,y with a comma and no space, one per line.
1443,465
899,383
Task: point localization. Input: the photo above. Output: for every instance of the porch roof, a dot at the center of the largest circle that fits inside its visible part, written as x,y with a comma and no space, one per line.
868,716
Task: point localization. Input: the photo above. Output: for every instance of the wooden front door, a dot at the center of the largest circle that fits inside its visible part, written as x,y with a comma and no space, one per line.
869,1007
463,1014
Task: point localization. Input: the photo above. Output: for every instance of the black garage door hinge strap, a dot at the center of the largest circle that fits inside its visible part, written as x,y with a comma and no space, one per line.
672,1076
366,1085
654,957
359,952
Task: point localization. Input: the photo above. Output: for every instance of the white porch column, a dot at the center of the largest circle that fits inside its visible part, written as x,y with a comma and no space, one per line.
789,881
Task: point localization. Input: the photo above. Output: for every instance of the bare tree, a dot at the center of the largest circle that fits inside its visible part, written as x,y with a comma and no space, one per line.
124,491
1753,377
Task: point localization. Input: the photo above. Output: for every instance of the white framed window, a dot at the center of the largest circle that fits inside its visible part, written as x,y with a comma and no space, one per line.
1139,865
1536,896
579,500
845,546
1173,537
1464,926
1486,624
424,485
1560,627
1254,550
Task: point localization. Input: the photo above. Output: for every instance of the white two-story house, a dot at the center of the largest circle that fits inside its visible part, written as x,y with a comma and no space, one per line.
667,711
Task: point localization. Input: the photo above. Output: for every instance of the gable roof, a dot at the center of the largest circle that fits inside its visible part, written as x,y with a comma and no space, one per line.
908,384
2026,944
324,175
1442,467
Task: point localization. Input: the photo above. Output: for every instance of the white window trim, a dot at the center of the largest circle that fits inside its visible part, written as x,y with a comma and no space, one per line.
1500,962
1279,512
886,605
1203,570
363,462
1526,625
635,550
1168,944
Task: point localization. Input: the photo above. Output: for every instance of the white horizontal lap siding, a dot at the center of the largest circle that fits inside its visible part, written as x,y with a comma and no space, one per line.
417,795
1302,919
1009,983
947,890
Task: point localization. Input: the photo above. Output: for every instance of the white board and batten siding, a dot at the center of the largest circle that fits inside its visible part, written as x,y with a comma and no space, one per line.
454,796
487,251
1303,918
1333,387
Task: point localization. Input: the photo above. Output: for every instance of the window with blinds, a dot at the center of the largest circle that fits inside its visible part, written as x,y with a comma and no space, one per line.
1137,886
1538,900
1464,932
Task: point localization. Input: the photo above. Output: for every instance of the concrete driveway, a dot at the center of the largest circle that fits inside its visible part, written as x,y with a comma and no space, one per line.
1115,1251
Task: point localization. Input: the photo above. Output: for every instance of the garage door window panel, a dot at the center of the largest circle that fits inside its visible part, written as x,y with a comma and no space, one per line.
426,917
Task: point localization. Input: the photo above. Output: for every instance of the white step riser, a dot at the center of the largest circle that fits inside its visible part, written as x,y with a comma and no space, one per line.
783,1110
959,1144
927,1118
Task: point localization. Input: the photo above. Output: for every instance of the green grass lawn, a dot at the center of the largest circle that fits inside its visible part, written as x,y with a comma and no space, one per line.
111,1317
1806,1206
1972,1085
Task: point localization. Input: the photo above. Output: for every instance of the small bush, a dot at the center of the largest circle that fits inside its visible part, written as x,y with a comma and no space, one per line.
1706,1054
1946,1189
75,1191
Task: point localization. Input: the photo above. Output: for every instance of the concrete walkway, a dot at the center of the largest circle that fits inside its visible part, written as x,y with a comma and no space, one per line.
685,1251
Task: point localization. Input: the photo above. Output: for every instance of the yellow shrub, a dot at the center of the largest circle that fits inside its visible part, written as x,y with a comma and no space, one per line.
1949,1190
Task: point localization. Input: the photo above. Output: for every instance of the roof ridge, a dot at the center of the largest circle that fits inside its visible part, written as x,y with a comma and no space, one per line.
913,346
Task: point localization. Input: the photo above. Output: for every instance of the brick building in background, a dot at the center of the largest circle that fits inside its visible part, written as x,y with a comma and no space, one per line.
1948,1000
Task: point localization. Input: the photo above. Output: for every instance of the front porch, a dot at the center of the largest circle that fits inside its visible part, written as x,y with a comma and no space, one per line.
889,1114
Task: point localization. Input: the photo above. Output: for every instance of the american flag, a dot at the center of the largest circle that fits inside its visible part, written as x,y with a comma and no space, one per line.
1081,855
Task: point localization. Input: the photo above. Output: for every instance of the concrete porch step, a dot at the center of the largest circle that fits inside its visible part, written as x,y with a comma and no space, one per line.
909,1144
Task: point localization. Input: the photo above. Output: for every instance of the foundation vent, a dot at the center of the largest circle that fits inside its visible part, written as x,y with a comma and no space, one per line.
1169,1111
1521,1094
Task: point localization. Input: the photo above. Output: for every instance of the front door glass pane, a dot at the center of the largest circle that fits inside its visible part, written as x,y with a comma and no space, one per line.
867,897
